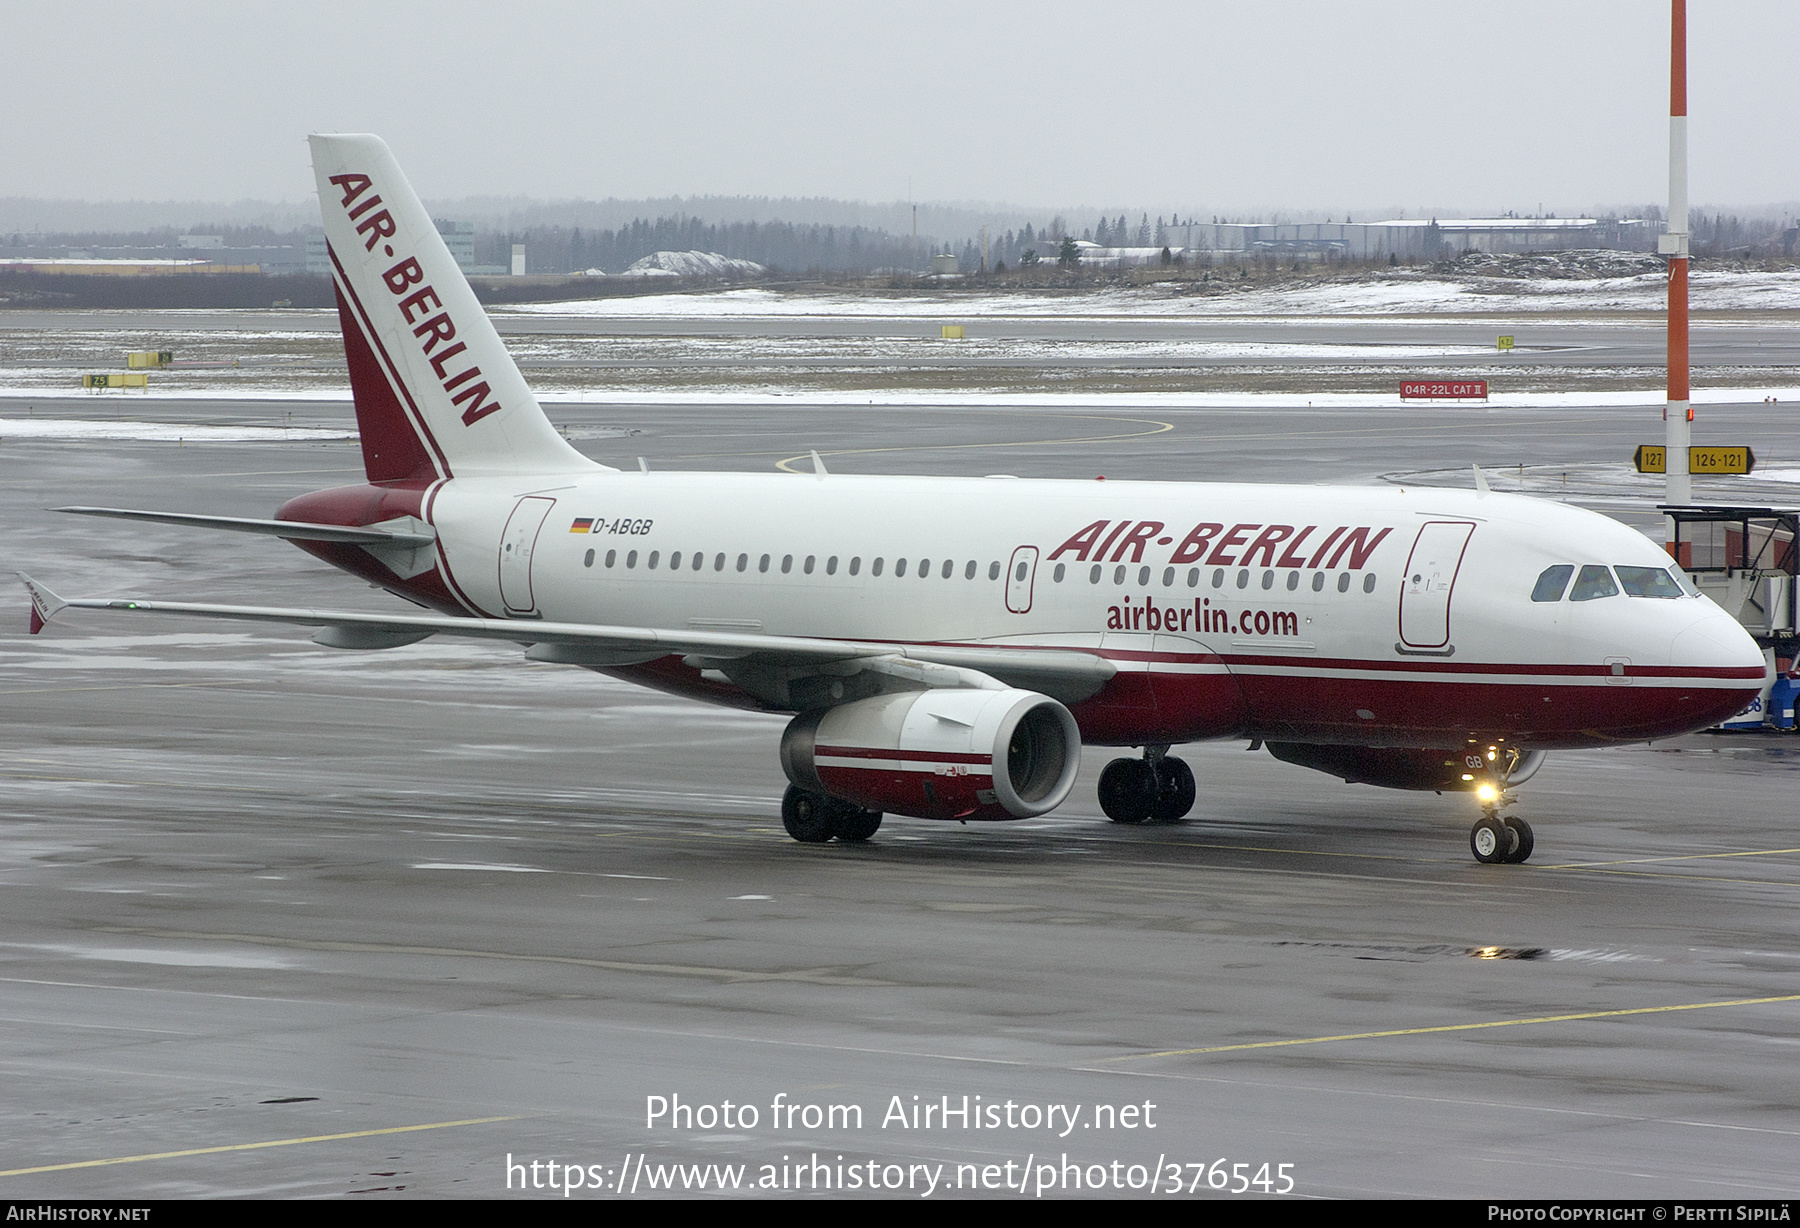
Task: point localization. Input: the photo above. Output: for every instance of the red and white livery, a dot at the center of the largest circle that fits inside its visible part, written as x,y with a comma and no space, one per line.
947,644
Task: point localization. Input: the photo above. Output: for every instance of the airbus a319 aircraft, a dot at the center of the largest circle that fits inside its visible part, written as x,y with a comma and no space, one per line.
947,645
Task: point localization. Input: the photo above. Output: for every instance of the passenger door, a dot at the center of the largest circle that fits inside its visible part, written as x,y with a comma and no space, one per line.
517,542
1430,576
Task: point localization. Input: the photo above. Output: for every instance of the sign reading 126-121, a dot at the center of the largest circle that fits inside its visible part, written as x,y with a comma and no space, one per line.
1654,458
1443,390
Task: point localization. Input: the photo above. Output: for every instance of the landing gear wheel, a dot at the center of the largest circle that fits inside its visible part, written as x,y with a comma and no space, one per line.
1523,842
1128,790
1491,840
1174,790
854,824
810,818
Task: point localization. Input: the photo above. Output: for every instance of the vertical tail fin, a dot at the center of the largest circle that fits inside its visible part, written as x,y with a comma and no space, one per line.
436,392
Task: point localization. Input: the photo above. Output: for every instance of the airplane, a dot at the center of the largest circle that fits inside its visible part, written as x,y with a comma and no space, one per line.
947,645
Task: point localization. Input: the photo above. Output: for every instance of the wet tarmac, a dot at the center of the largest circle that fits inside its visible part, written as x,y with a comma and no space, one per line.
284,921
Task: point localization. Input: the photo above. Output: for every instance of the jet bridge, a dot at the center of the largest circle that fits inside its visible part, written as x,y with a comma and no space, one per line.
1744,558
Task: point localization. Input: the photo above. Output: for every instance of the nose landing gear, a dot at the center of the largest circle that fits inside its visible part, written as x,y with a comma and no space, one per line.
1155,787
1497,839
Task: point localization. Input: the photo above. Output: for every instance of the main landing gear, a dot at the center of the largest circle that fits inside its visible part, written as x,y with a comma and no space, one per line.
1496,838
814,818
1154,787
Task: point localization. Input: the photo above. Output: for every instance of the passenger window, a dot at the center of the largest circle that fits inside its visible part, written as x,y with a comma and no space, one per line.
1244,578
763,564
631,559
1218,577
1118,575
1193,577
831,566
949,568
1647,582
675,561
1168,577
1143,577
969,571
1369,583
855,563
654,555
1094,574
1293,580
899,567
1057,575
1551,584
588,559
1593,582
1318,581
612,557
700,559
1344,583
743,561
993,571
787,564
808,566
1268,579
875,568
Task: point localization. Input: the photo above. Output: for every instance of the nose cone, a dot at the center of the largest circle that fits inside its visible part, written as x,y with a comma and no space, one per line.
1716,641
1718,654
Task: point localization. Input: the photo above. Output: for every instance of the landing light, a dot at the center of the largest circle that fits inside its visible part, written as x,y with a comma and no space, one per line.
1486,793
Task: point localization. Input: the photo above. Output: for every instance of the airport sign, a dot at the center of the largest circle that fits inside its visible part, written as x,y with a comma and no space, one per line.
1450,390
1653,458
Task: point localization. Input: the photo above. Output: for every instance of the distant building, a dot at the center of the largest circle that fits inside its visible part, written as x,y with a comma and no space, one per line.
459,237
1416,238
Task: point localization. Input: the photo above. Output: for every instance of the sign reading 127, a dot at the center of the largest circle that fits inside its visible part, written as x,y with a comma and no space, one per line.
1654,458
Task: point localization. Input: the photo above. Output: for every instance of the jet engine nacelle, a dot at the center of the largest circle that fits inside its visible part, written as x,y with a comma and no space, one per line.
1403,768
939,754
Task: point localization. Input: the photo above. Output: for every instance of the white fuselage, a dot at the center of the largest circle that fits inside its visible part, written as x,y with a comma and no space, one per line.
1292,600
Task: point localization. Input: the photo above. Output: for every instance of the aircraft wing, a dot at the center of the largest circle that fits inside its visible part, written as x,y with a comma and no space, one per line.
1067,674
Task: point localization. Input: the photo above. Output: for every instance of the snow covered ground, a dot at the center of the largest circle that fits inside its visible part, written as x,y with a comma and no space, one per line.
1396,296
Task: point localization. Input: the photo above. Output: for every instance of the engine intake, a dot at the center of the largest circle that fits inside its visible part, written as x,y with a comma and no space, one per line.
939,754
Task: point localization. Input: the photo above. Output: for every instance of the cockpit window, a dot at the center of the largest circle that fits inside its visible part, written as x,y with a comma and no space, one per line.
1687,584
1647,582
1551,584
1593,582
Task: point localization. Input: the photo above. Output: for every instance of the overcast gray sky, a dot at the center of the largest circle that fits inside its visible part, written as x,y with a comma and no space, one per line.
1210,107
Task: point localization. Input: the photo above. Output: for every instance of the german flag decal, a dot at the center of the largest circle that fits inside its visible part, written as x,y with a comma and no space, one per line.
583,524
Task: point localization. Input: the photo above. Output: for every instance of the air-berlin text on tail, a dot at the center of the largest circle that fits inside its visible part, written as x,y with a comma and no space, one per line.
1211,544
417,306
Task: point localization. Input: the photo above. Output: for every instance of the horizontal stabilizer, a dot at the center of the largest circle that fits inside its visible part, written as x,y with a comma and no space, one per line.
292,530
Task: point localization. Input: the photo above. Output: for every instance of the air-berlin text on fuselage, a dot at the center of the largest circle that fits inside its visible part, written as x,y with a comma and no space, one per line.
1212,544
432,330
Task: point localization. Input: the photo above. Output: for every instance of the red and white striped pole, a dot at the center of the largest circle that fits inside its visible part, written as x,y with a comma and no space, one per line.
1678,414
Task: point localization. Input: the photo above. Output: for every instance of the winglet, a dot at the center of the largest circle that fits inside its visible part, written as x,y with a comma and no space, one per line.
45,605
818,465
1481,482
